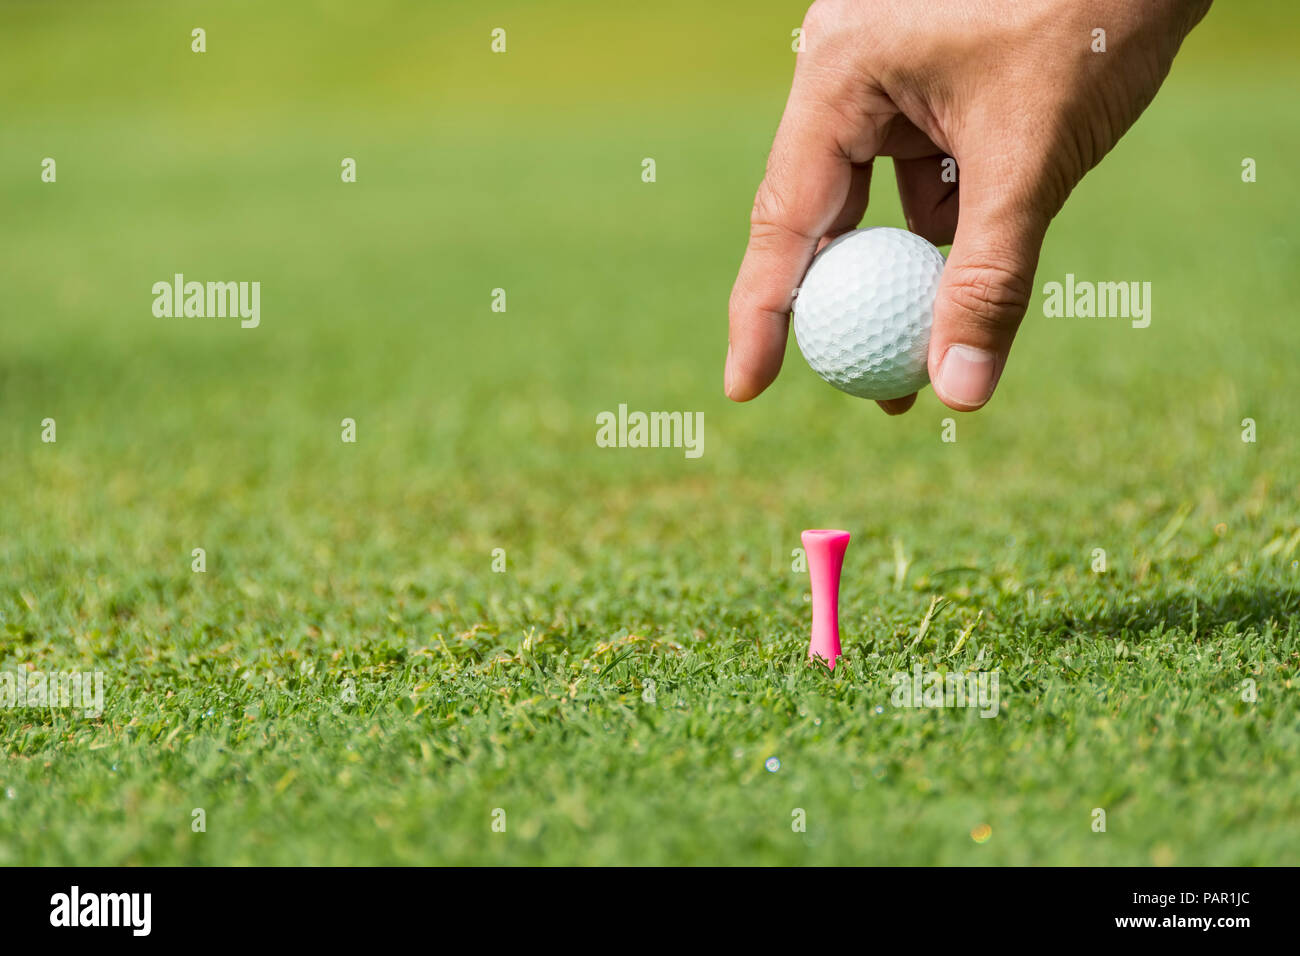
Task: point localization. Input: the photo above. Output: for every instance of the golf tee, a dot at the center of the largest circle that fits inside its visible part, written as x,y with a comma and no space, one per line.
825,553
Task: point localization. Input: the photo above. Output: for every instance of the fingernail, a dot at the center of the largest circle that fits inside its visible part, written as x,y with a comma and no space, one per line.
967,375
726,373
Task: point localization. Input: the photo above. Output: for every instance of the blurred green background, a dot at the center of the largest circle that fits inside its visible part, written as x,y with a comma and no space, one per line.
330,561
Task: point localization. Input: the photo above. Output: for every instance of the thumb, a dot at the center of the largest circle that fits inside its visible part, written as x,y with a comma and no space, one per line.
983,294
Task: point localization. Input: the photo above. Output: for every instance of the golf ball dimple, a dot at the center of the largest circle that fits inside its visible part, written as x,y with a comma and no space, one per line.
863,313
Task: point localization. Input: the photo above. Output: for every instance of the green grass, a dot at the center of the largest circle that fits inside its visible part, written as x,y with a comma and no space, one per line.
526,690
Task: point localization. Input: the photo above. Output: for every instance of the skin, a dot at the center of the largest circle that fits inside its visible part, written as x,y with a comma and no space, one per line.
1014,92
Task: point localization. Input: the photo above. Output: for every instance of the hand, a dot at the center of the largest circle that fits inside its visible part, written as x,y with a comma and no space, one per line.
1014,92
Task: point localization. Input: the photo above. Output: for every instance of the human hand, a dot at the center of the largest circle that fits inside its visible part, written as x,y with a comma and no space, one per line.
1014,92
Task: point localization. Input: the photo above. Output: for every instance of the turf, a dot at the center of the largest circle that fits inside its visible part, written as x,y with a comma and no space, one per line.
350,681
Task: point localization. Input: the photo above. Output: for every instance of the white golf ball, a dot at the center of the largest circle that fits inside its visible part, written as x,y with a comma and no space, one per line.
863,313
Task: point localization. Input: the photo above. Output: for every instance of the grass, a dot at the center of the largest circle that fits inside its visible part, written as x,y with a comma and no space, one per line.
365,570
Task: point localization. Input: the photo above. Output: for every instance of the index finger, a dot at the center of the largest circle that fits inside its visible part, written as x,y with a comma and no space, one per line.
812,186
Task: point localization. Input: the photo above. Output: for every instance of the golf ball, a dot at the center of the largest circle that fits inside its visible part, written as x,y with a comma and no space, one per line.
862,316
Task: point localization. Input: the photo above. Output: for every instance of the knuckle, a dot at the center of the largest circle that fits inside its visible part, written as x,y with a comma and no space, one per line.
989,293
769,208
773,223
768,243
830,30
734,300
823,17
850,27
735,306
